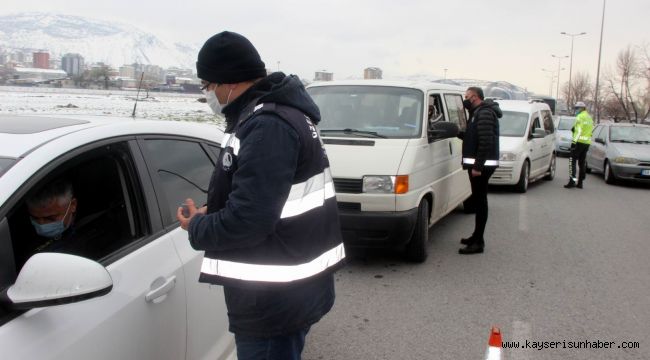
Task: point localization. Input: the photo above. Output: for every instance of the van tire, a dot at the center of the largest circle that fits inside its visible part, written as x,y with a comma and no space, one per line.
551,169
522,185
416,249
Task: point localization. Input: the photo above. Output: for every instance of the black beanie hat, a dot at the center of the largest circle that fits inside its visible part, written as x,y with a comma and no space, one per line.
229,58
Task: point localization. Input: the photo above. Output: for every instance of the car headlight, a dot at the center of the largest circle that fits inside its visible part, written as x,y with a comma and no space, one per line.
380,184
626,160
507,156
565,138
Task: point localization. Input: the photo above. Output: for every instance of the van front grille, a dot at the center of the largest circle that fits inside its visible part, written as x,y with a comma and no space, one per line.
349,186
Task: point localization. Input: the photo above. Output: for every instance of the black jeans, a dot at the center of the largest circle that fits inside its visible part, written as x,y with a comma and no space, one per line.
480,202
578,154
281,347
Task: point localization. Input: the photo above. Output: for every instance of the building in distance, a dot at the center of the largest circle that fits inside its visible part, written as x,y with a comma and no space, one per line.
323,75
73,64
372,73
41,59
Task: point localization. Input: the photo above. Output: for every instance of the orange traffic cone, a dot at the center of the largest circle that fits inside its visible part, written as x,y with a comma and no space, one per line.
494,345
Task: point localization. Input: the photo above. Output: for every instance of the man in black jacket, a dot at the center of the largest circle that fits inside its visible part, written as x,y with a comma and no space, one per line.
270,231
480,158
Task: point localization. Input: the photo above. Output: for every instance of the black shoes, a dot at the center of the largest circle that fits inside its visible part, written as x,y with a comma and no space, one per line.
471,249
467,241
571,184
579,186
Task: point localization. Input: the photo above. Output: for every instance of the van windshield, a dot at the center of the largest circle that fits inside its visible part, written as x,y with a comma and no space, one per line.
513,123
348,111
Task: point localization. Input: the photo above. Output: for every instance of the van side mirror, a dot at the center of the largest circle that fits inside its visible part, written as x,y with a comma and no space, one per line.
600,141
539,133
442,130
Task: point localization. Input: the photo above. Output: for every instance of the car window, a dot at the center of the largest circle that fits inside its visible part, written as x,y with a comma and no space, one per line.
513,123
535,124
602,135
105,212
183,170
548,121
596,132
456,110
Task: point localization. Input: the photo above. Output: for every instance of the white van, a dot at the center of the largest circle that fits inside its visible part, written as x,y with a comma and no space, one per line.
394,157
526,144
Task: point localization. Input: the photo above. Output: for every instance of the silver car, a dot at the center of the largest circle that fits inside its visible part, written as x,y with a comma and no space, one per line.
620,151
564,134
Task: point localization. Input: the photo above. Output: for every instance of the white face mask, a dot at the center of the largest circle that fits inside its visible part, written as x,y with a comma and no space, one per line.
213,101
215,105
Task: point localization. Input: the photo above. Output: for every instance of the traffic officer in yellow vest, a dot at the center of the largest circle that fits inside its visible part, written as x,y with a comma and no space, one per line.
579,145
270,231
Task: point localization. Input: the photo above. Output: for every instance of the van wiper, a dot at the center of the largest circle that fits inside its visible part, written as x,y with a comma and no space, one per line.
623,141
355,132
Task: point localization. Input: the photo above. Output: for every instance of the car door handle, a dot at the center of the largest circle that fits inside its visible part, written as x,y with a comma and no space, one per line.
161,287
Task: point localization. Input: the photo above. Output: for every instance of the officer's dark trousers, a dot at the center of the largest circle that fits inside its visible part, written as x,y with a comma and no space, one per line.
579,155
480,202
281,347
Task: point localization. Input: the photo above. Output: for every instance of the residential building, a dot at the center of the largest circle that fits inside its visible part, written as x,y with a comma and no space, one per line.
372,73
73,64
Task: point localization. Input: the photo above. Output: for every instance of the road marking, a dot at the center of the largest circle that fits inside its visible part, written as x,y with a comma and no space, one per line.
521,332
523,213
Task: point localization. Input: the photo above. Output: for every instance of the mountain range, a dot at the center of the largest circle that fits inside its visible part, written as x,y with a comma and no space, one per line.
112,43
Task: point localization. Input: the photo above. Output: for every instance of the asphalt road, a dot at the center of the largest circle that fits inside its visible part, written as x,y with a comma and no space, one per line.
567,266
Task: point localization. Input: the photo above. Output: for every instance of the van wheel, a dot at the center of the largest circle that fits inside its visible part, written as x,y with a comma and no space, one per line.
551,169
522,185
416,249
609,175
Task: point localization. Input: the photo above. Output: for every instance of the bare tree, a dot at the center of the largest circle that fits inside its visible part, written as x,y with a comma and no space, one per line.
581,89
623,81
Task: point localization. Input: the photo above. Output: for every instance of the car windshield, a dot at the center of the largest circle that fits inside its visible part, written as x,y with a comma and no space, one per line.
566,123
5,164
513,123
369,111
632,134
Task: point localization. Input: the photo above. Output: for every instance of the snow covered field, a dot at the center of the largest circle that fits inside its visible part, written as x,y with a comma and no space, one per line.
165,106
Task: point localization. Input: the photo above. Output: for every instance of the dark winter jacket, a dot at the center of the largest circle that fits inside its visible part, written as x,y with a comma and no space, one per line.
272,234
481,138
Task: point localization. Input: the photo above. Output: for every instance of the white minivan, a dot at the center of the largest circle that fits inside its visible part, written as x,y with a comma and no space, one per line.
394,157
526,144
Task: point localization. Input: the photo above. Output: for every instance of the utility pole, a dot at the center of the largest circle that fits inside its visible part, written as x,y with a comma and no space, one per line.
559,61
571,62
600,51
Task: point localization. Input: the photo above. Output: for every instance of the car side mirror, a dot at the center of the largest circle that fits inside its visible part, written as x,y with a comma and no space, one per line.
442,130
49,279
539,133
600,141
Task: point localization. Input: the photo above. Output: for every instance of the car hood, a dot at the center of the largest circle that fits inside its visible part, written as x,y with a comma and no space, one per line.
637,151
352,159
564,134
510,143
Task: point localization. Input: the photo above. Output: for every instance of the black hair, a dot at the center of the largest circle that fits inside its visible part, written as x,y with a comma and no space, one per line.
478,91
59,188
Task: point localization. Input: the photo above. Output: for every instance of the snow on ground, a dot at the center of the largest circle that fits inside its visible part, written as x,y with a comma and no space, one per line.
165,106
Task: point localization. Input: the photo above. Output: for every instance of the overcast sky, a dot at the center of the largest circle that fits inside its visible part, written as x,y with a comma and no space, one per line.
508,40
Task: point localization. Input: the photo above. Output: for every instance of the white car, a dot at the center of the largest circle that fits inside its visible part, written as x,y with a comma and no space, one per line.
526,144
140,297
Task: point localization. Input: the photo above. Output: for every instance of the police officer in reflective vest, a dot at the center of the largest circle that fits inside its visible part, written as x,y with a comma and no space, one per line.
579,145
270,230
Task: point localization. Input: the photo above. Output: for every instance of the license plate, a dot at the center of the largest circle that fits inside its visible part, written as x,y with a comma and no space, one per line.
645,172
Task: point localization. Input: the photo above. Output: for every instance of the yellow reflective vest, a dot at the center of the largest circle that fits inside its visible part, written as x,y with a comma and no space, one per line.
583,127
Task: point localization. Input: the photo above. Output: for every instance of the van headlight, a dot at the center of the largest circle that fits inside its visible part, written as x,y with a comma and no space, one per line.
626,160
507,156
379,184
384,184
